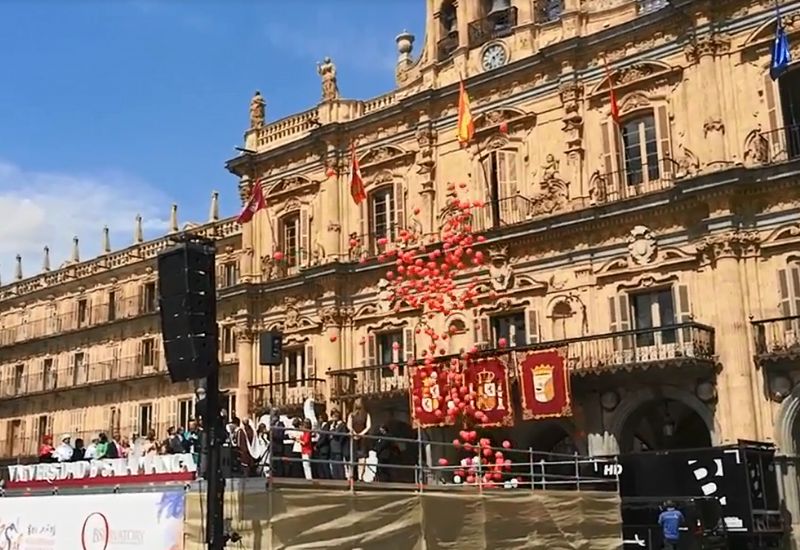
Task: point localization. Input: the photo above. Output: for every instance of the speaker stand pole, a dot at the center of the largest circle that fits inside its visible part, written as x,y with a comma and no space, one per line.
215,490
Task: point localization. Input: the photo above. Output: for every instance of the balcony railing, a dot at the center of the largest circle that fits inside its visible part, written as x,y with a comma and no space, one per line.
446,46
634,180
26,448
498,25
675,346
504,212
779,145
777,339
288,394
78,319
82,375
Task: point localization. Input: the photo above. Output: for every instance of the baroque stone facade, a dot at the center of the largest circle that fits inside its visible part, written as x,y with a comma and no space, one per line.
684,215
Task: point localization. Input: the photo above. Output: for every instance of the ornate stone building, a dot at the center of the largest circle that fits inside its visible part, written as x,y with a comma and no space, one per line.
683,215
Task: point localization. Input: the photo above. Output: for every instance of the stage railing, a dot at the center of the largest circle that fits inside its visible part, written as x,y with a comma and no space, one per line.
358,462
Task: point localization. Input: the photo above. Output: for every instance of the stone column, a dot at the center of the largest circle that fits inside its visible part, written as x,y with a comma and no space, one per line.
703,54
425,162
723,254
328,346
244,338
328,223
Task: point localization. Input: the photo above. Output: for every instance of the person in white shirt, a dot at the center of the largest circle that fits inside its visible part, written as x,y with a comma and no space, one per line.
63,453
91,449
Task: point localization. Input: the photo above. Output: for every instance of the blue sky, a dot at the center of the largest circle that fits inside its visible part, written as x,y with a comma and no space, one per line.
113,107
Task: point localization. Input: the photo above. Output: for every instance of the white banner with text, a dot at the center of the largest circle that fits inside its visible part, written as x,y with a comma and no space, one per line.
151,521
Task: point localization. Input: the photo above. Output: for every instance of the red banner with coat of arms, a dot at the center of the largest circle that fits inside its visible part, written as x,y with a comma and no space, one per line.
428,396
545,385
488,381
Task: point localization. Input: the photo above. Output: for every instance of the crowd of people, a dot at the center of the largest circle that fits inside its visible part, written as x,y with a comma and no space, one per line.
317,446
178,440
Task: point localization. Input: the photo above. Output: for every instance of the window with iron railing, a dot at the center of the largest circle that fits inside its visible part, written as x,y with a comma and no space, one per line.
511,328
80,369
382,215
83,312
19,379
185,411
49,374
230,274
112,305
294,367
789,87
148,353
640,150
149,298
290,239
390,350
145,419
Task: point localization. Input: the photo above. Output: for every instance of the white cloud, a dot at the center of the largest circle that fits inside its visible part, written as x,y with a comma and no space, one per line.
46,208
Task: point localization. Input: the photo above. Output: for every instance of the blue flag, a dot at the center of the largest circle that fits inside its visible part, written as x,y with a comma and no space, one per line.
781,56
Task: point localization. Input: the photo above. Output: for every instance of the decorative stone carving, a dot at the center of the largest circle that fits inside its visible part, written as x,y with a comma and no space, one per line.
330,87
553,197
426,138
737,243
385,296
245,333
501,272
550,168
291,317
257,111
269,267
711,45
688,163
756,148
630,74
713,125
642,245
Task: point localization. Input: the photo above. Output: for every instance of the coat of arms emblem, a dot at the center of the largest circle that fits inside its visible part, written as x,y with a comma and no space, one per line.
431,396
489,392
544,389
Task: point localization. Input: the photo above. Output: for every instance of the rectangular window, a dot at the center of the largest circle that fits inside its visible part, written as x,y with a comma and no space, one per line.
788,86
83,313
640,150
19,380
290,239
228,340
146,424
230,274
390,351
185,411
112,306
653,310
229,404
500,171
43,427
79,369
294,367
49,375
510,327
382,213
149,298
149,352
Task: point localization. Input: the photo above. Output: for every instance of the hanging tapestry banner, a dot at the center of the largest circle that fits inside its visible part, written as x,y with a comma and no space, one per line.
488,381
545,385
428,392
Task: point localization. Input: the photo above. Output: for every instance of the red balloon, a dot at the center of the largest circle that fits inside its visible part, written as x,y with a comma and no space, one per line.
443,462
506,444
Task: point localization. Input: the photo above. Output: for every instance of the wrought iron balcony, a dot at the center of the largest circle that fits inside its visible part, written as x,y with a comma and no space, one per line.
681,345
78,318
780,145
88,374
286,395
499,25
634,180
777,340
446,46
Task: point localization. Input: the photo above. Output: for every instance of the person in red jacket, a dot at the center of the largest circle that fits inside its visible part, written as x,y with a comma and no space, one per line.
306,448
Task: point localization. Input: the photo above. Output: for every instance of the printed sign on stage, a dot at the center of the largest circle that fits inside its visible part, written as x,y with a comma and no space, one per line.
545,385
428,396
150,521
488,379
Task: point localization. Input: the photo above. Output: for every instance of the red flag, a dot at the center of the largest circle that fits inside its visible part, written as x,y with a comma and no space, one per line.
356,183
255,203
612,97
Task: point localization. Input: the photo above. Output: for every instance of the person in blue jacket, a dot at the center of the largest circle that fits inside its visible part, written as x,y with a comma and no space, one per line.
670,521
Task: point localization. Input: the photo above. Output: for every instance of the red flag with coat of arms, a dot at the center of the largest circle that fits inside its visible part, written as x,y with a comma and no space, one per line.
255,203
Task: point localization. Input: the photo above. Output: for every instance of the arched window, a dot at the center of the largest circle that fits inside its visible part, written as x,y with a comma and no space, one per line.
448,32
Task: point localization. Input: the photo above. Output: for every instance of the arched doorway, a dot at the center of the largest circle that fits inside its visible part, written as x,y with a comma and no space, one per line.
664,424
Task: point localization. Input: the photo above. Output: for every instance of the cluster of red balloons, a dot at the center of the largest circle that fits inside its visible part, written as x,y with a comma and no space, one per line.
484,464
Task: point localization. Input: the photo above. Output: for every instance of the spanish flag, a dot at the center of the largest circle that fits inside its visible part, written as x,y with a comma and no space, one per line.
466,126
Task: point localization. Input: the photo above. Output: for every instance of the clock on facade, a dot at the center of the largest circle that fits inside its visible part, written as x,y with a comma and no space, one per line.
494,56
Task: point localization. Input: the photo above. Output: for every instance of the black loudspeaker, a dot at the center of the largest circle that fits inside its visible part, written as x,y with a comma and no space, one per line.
271,348
188,308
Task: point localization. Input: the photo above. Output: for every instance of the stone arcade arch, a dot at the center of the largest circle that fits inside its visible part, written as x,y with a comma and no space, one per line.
648,410
787,438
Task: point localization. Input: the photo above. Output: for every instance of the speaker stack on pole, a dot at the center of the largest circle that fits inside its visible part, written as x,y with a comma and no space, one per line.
188,308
